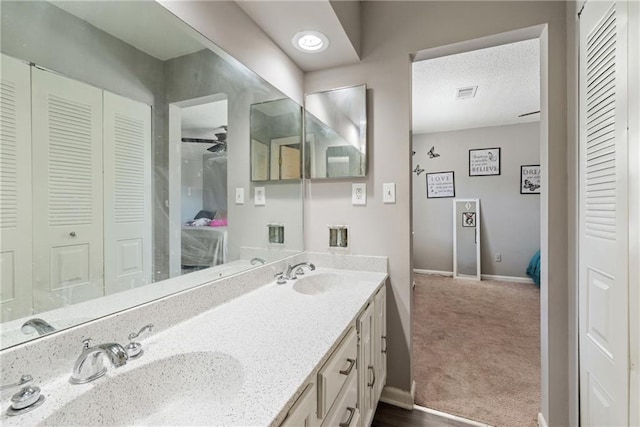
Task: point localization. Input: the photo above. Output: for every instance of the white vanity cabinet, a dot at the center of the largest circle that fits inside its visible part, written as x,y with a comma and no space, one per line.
380,341
372,356
303,412
350,382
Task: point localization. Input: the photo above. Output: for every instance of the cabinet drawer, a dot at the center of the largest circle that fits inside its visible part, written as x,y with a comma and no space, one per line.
344,412
335,373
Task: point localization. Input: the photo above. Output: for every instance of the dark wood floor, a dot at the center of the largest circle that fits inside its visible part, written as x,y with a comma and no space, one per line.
392,416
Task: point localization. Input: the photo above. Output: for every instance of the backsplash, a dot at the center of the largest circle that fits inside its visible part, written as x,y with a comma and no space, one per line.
53,355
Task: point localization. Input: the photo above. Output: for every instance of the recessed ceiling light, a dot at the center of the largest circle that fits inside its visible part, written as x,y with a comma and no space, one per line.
310,41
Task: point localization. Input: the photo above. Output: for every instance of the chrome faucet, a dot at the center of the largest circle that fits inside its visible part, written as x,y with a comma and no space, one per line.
89,365
41,326
258,260
294,270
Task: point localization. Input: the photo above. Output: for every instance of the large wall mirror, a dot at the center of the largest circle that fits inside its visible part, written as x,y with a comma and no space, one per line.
466,239
123,136
336,133
276,140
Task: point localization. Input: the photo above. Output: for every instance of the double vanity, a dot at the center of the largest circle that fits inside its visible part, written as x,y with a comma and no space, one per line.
308,351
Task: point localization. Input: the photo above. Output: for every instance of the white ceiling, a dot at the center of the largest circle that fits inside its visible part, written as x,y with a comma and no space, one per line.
143,24
508,80
281,20
204,117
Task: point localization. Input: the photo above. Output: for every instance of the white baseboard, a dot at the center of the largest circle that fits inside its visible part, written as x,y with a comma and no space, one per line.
515,279
497,278
400,398
541,421
466,421
433,272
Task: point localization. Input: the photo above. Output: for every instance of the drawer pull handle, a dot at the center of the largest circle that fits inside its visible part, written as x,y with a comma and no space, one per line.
384,338
373,372
347,371
347,423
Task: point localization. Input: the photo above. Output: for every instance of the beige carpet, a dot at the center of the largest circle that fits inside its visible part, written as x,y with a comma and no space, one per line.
476,349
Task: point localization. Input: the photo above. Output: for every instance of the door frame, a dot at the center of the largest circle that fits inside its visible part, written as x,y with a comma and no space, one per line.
557,353
175,170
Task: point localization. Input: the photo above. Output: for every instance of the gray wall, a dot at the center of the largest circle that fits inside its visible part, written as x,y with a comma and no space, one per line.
204,73
510,221
391,32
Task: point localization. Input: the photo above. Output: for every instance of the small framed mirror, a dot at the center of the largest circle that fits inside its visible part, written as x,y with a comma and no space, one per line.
336,133
276,141
466,239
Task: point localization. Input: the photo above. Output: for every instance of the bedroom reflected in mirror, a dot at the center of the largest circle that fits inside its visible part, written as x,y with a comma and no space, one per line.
466,239
336,133
203,182
276,141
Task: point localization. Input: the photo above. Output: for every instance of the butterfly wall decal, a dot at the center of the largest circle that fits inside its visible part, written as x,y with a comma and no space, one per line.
418,170
432,154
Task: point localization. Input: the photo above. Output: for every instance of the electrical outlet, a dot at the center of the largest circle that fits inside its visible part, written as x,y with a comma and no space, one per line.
359,194
498,257
259,197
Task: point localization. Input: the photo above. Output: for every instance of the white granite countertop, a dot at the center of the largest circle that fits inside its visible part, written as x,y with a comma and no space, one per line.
250,358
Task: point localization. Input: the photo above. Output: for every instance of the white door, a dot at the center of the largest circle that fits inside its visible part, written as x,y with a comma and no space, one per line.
15,188
603,259
67,191
127,193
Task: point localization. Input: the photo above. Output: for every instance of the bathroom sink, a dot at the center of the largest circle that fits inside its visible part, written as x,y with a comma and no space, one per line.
186,389
318,283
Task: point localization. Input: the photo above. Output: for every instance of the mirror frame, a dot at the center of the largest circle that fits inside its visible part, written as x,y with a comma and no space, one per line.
456,274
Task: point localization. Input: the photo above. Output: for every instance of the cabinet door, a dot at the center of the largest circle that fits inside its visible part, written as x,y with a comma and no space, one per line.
127,193
303,412
366,368
67,190
15,189
380,341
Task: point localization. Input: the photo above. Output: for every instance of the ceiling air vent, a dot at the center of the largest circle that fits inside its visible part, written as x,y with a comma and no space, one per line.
466,92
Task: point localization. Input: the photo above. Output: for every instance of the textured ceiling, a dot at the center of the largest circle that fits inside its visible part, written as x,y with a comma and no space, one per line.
508,80
145,25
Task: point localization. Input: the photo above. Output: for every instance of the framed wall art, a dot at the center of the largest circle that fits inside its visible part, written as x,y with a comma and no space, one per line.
484,162
440,185
468,219
530,179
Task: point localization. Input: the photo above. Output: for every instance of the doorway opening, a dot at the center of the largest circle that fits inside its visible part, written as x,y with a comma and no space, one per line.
198,184
477,144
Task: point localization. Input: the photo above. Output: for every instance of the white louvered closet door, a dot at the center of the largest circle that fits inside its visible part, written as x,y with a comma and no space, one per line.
15,188
127,193
604,222
67,188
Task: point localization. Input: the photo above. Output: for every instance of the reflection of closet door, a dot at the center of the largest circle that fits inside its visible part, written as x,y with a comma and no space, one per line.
15,189
127,193
67,189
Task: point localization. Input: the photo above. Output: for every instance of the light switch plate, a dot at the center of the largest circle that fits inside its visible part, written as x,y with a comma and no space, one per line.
359,193
240,196
389,190
259,198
